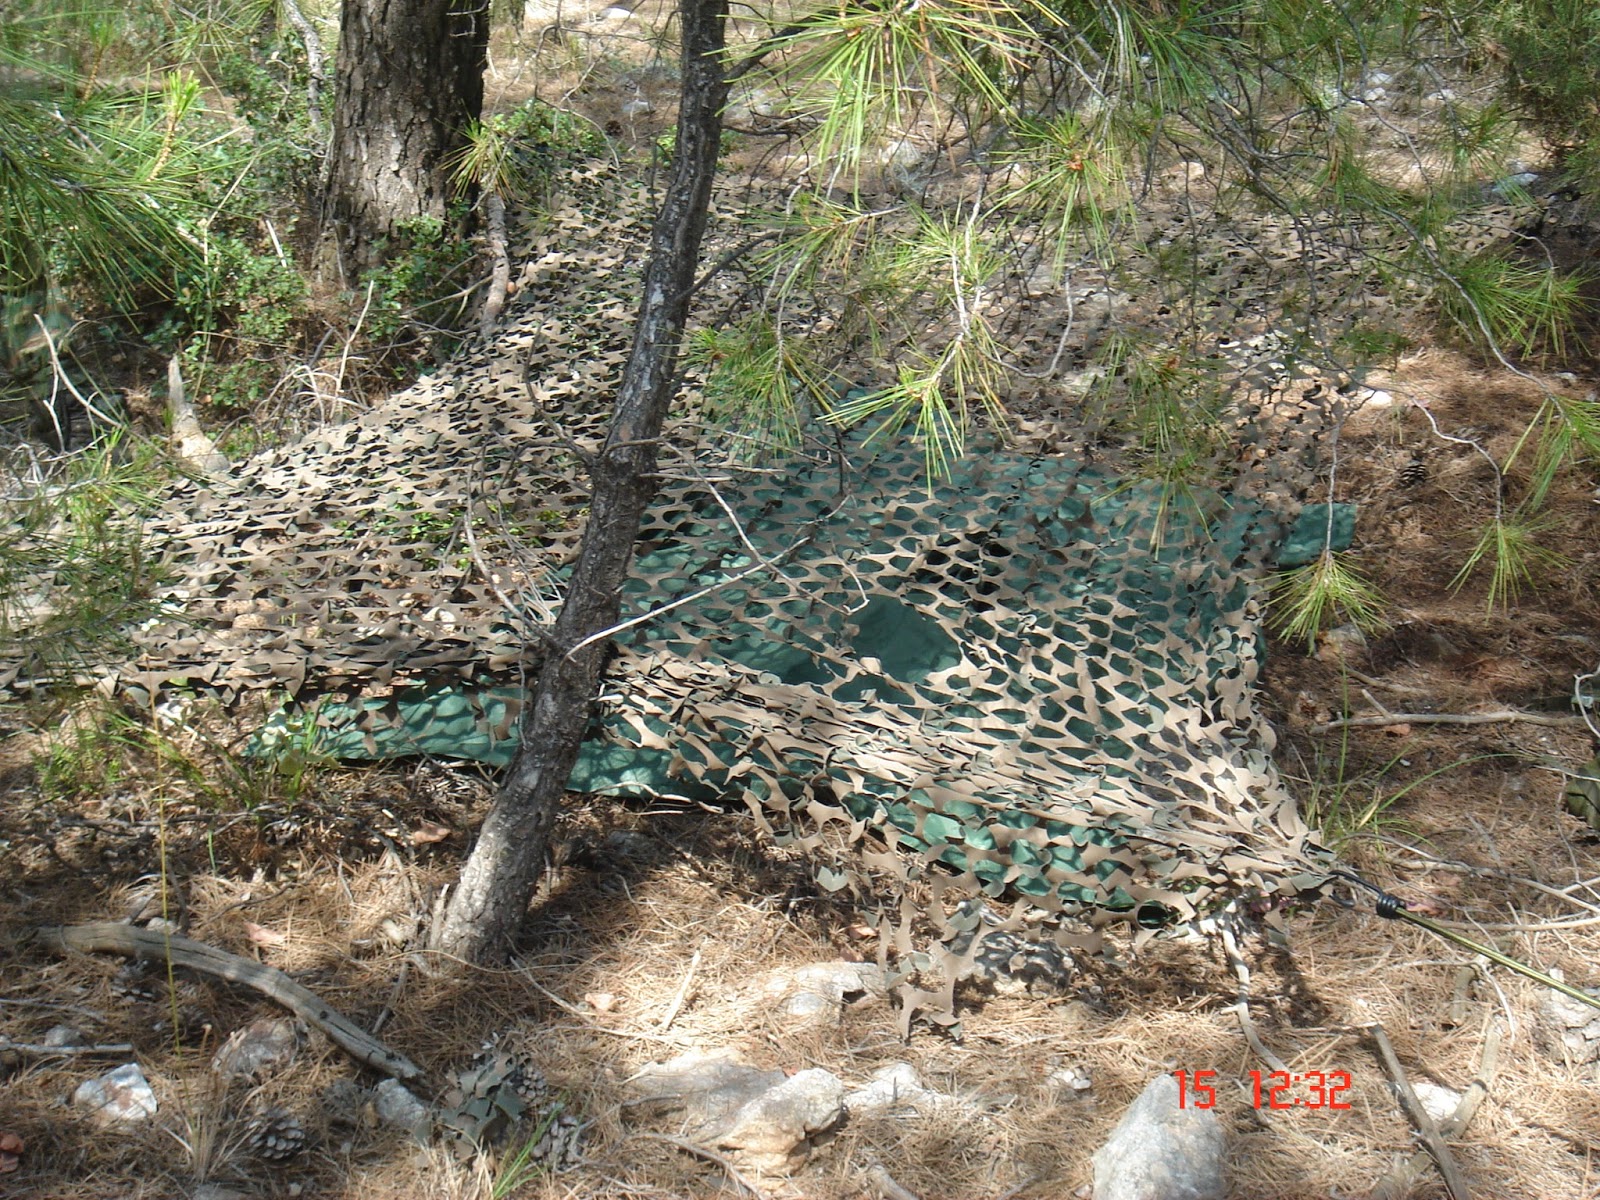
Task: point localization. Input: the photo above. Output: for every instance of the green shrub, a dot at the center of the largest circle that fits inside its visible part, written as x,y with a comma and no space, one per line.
1551,52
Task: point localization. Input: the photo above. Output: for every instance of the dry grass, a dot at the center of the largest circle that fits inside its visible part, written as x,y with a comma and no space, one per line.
638,895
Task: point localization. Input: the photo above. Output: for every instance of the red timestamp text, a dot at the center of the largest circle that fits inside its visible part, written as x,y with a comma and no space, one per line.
1270,1089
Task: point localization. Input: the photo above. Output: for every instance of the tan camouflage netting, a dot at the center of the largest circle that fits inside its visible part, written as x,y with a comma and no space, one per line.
1009,684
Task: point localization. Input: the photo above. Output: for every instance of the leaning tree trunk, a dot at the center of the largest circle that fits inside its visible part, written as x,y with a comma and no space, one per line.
499,877
410,78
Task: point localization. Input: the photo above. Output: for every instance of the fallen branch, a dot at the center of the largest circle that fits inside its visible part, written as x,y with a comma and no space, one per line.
1432,1140
1489,718
1403,1178
133,942
28,1050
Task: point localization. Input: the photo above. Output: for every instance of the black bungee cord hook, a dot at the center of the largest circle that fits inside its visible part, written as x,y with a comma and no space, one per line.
1391,908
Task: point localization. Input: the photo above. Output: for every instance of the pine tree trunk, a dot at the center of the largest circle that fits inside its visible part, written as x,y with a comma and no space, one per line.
503,869
410,78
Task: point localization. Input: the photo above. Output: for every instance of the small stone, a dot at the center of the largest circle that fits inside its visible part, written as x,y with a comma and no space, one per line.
898,1087
397,1106
1160,1151
1072,1079
773,1132
812,995
264,1045
119,1097
64,1036
1438,1102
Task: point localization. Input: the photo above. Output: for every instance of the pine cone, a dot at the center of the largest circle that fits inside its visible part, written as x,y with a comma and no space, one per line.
134,981
274,1135
1414,473
559,1144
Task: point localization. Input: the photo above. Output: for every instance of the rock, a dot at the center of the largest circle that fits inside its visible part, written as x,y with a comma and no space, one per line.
1519,181
397,1106
813,994
120,1097
258,1048
772,1133
897,1087
1071,1081
765,1119
1439,1102
1159,1151
64,1035
1341,643
706,1085
1568,1029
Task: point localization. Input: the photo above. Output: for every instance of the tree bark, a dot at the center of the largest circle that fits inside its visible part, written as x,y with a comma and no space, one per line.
503,869
410,78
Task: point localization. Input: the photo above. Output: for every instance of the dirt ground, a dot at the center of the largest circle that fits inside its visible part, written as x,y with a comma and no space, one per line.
331,884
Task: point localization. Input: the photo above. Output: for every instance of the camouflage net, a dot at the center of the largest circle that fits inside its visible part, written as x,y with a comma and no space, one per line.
1027,682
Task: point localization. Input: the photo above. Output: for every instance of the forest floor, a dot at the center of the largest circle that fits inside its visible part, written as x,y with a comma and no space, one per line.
657,927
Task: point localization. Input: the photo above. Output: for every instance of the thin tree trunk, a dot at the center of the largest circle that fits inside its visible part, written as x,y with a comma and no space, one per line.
503,869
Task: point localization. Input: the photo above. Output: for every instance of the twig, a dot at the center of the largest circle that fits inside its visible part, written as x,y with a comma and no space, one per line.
73,1008
762,564
1426,1129
350,339
1402,689
1489,718
387,1011
61,379
1403,1178
683,992
710,1156
879,1177
133,942
7,1046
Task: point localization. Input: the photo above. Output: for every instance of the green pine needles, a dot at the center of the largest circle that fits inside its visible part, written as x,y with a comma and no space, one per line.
1325,592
